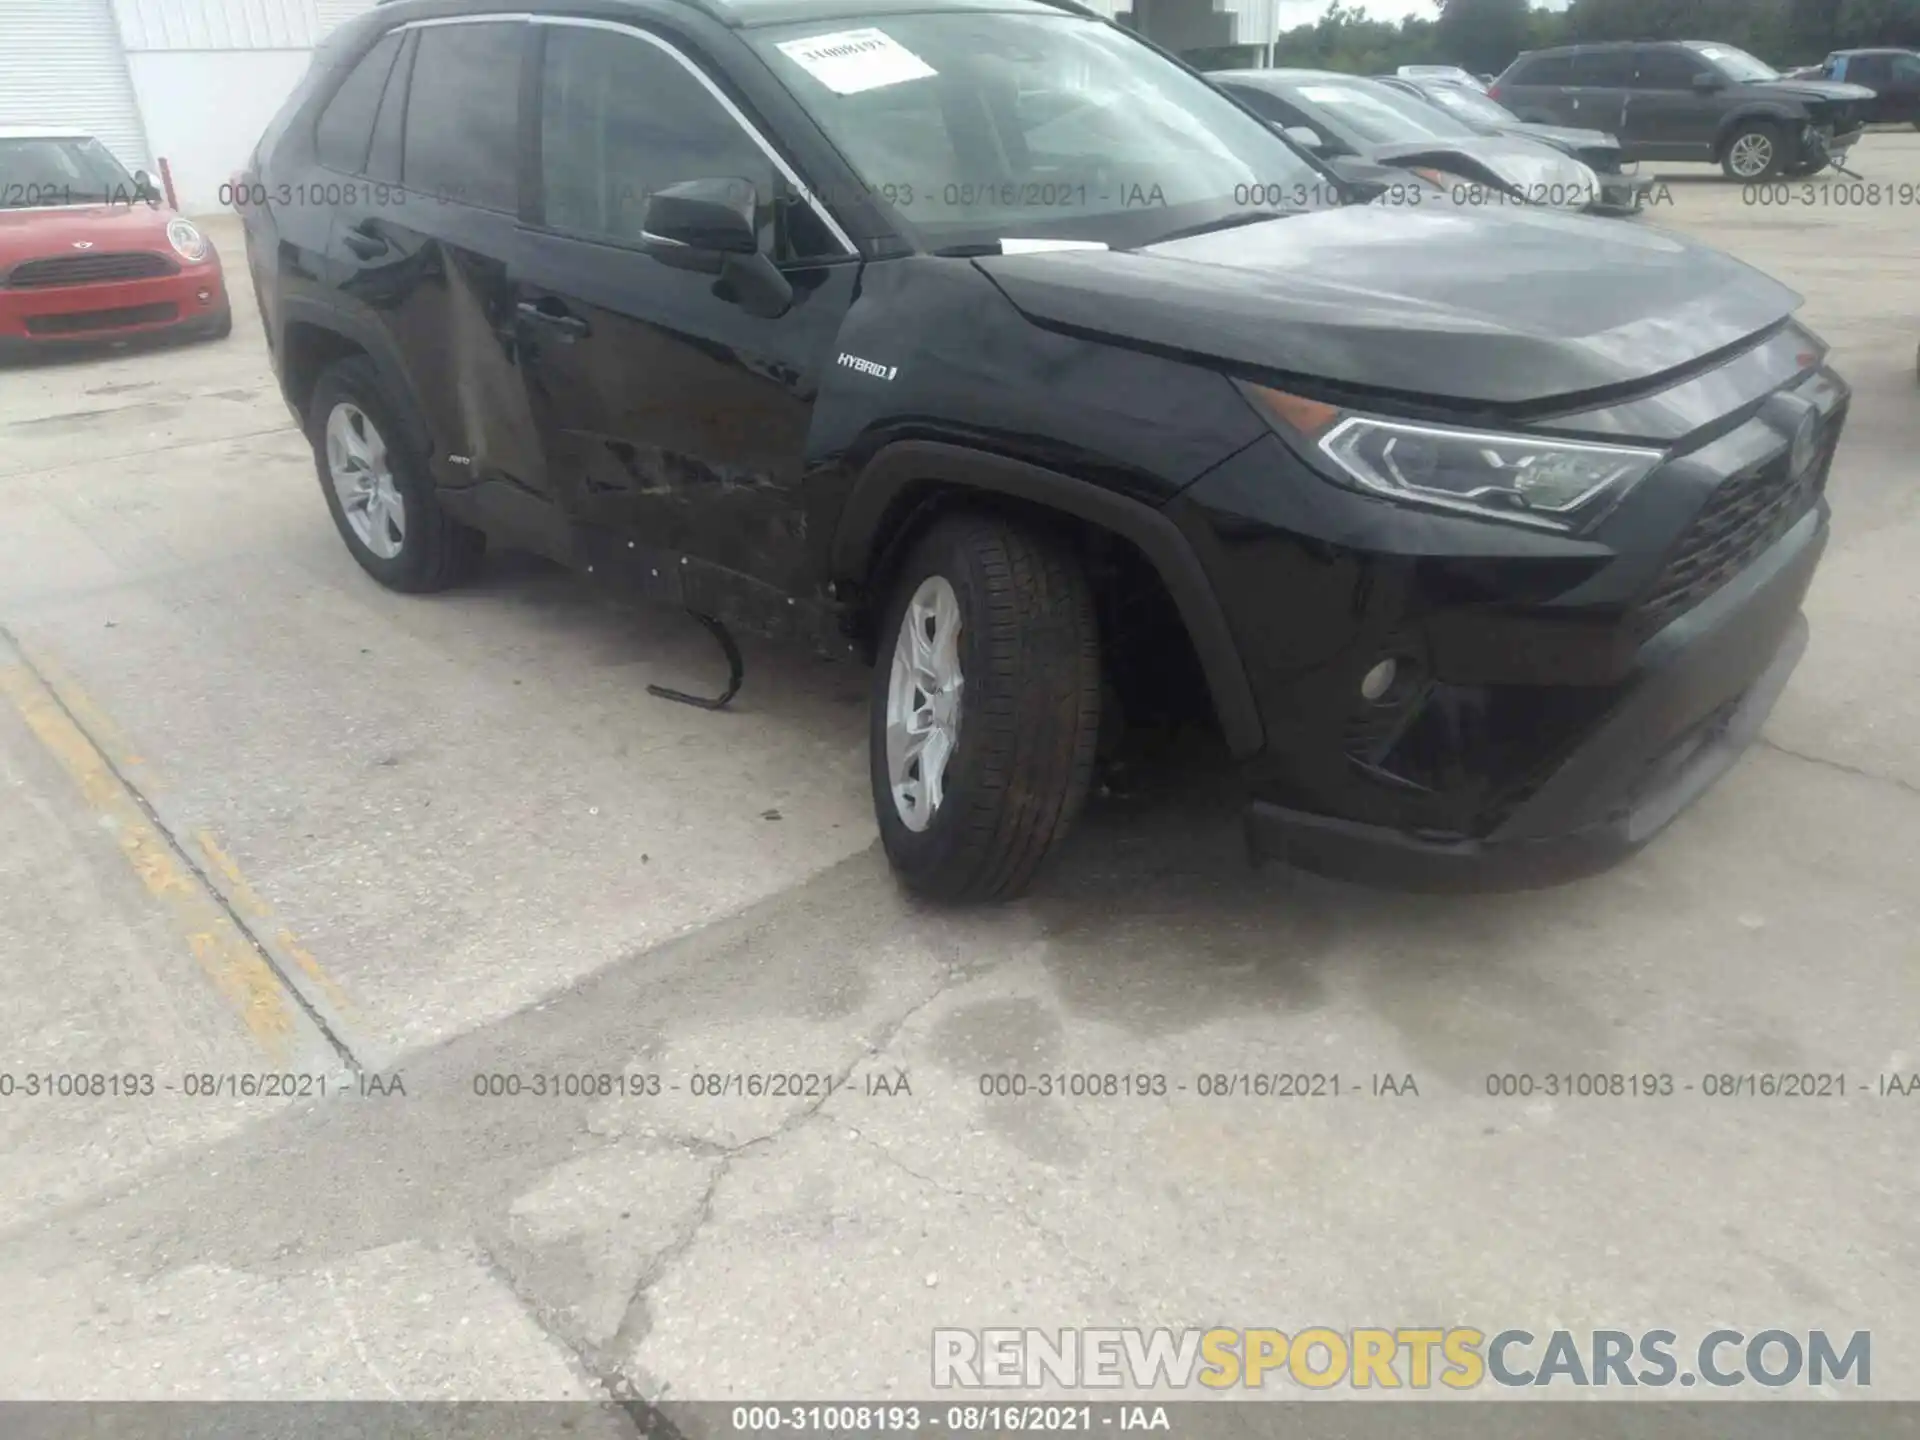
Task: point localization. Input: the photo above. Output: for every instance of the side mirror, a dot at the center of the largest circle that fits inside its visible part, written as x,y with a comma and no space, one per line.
1706,81
1305,136
711,227
144,188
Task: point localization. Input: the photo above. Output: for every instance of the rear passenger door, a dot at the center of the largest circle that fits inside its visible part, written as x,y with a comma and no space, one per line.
1597,89
674,422
1538,89
425,249
1668,117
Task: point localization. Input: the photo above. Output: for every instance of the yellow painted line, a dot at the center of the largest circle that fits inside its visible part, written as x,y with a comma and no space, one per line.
264,923
224,952
93,721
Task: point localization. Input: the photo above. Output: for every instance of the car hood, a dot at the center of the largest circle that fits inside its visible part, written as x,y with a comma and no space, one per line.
1835,91
1528,166
37,234
1563,137
1506,308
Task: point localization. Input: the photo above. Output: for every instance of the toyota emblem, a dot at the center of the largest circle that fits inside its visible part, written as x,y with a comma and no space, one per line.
83,244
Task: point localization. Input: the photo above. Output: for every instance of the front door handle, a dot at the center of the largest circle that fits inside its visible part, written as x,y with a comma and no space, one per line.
554,319
364,242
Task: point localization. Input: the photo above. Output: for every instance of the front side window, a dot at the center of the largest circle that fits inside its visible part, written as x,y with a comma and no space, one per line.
67,170
463,114
346,125
978,127
1667,70
621,118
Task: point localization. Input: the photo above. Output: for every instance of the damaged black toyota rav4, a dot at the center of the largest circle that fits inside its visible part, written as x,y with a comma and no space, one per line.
984,338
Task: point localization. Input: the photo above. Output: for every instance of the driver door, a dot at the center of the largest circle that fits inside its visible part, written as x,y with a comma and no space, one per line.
674,422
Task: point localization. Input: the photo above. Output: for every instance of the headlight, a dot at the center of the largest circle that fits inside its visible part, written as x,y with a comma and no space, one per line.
188,243
1563,485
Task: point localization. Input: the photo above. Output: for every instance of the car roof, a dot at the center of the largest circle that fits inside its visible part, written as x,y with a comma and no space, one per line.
745,14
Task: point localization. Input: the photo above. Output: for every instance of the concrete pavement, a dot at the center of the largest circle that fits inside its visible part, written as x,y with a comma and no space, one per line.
258,815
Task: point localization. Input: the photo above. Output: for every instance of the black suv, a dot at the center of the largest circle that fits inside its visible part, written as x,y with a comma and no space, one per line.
979,335
1690,100
1892,75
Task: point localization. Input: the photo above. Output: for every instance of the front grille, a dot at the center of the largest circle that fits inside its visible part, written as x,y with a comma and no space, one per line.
89,270
1742,518
86,320
1603,159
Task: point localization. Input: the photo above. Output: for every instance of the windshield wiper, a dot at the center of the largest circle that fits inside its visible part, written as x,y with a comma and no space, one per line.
1224,222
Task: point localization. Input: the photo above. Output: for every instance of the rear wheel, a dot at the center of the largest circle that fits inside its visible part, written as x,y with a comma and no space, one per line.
985,709
378,490
1755,151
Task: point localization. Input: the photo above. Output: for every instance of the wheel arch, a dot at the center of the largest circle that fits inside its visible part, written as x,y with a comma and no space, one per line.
314,337
907,484
1774,113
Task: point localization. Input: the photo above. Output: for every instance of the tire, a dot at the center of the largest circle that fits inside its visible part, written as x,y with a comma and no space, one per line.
1757,138
1026,710
430,551
224,328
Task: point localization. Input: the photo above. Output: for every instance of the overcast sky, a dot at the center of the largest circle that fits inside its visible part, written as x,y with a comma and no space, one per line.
1305,12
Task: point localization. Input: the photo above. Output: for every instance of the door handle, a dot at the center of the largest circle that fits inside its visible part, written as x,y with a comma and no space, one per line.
554,319
364,243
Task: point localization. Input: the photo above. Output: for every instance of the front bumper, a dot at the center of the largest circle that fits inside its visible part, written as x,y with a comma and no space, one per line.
1699,694
192,301
1622,194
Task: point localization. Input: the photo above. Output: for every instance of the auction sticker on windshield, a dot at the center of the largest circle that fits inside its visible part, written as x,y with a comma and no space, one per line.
849,61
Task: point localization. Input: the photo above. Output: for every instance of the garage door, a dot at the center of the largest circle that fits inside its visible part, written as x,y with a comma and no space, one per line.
60,65
329,13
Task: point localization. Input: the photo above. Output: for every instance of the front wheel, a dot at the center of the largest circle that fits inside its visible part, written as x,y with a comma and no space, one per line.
1755,152
985,708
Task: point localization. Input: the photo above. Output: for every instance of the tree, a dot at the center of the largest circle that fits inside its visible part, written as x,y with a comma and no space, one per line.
1483,35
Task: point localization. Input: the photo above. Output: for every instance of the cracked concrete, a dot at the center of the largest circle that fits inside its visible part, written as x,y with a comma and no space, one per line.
551,909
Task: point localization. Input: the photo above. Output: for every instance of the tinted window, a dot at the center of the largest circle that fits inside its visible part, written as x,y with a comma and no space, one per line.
383,157
1603,68
1906,71
463,114
1667,70
346,125
621,118
1868,69
1542,70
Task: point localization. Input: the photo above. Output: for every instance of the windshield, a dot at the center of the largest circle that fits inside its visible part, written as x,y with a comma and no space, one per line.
1379,114
1469,104
65,170
1736,65
976,128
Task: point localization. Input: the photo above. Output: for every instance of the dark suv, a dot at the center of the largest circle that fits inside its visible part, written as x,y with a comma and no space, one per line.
980,336
1892,75
1690,100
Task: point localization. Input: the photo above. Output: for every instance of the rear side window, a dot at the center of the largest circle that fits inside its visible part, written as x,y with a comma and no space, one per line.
1541,70
1666,70
463,114
1610,68
622,118
346,125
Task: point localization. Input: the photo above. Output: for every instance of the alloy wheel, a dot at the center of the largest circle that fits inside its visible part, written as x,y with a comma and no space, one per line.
1752,155
923,702
363,480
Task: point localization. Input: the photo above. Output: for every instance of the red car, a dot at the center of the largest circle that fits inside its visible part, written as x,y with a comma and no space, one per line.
87,252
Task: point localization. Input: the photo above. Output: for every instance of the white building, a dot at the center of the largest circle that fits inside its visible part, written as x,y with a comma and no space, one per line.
194,82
